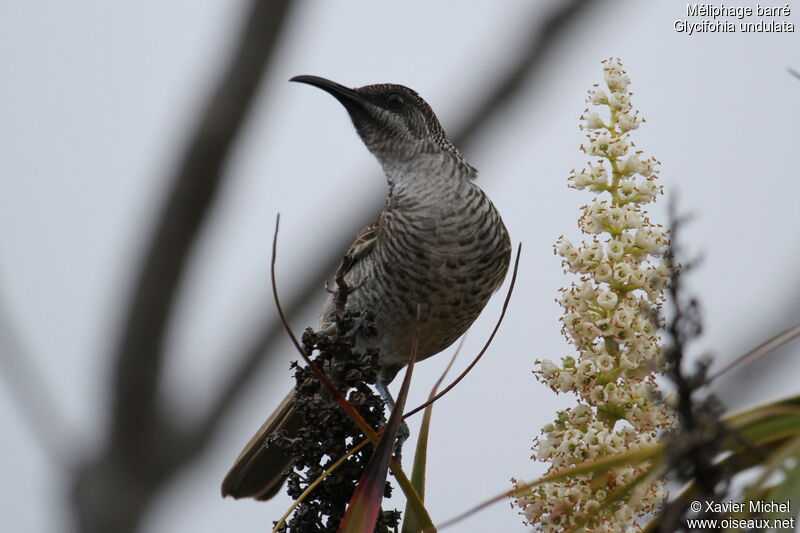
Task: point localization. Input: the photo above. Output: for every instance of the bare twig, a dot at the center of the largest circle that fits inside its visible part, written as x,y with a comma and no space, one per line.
760,351
446,370
342,290
31,394
140,353
143,447
476,509
324,379
285,321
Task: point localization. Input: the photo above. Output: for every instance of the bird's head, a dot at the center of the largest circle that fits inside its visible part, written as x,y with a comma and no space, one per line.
394,122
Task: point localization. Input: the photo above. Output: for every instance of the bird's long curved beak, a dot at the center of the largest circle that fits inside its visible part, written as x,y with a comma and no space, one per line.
345,95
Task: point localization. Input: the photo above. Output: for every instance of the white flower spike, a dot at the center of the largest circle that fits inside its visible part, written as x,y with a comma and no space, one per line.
621,274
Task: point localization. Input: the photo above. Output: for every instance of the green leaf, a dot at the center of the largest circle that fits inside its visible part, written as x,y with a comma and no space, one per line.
595,466
790,406
410,523
772,463
787,490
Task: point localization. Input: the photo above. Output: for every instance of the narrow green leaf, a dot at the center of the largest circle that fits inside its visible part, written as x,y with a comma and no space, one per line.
734,463
767,426
765,431
772,463
602,464
787,406
787,490
410,523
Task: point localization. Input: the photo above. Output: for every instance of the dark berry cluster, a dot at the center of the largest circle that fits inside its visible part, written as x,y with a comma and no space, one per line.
327,432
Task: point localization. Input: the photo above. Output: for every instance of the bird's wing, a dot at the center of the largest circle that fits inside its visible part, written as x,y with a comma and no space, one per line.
259,471
361,248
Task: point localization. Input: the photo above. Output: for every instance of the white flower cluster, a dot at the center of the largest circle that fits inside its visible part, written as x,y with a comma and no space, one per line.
609,317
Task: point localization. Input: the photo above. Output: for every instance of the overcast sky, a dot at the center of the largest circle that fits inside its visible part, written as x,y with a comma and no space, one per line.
97,98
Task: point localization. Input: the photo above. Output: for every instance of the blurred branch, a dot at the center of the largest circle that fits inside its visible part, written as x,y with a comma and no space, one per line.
140,354
547,33
546,36
143,449
29,391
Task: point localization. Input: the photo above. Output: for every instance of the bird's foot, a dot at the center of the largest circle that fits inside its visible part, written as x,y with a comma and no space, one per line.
358,321
402,436
327,331
403,433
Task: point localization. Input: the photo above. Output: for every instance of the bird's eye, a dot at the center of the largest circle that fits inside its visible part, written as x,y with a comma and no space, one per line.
395,100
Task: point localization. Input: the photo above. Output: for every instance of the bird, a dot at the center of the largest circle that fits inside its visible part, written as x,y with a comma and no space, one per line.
426,266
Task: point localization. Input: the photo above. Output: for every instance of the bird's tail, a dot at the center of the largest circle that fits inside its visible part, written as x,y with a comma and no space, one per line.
258,472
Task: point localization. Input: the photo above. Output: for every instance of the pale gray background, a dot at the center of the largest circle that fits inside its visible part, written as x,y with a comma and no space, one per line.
97,96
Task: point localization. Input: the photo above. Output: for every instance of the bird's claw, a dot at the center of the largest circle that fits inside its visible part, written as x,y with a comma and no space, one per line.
402,436
357,323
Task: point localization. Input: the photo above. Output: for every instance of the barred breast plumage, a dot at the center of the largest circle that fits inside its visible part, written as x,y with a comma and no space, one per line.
439,243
